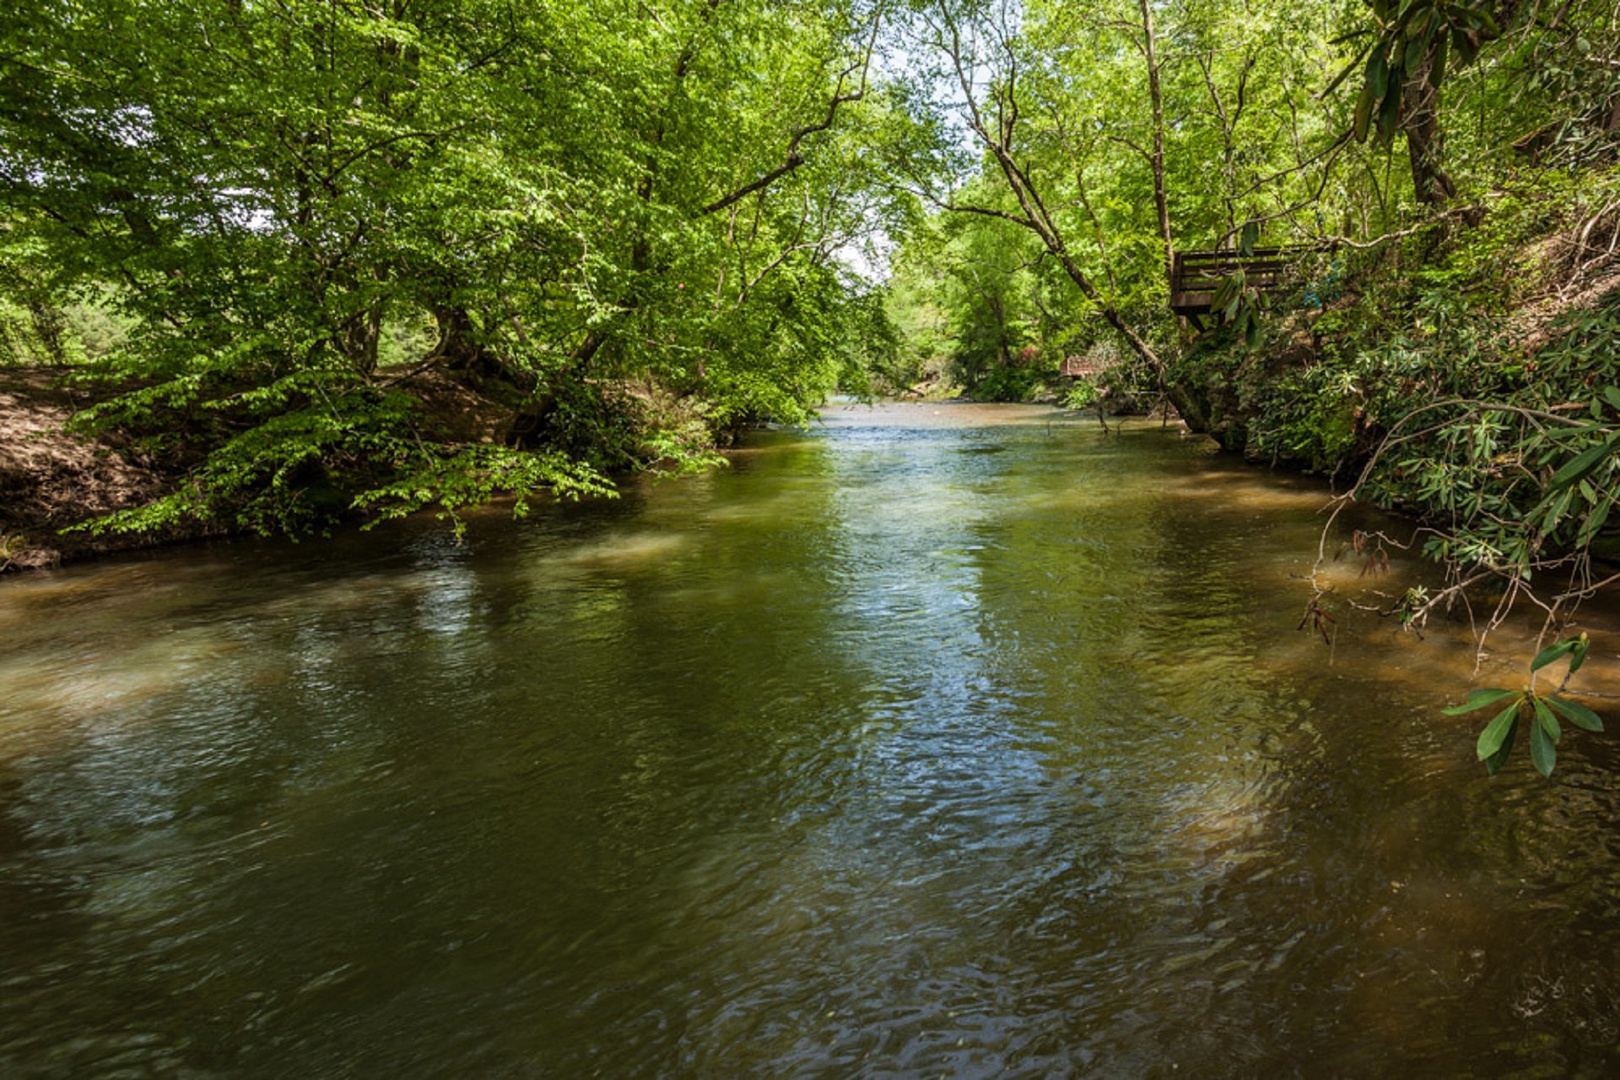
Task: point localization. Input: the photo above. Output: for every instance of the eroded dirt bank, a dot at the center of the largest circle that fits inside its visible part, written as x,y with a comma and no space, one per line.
52,478
54,475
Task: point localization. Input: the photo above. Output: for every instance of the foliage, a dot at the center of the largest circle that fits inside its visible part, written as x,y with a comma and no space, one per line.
1418,34
1082,395
977,308
1442,384
476,475
1527,707
1111,133
1516,472
282,205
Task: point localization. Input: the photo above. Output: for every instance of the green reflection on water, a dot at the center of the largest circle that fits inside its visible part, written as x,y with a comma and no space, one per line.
940,739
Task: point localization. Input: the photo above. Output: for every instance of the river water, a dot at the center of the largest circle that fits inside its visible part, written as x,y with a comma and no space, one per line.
934,740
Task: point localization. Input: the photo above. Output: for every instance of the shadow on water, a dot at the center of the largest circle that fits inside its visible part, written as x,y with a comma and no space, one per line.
939,739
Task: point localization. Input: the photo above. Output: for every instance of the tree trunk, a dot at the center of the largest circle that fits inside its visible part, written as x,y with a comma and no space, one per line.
476,367
360,340
1420,109
1161,202
456,344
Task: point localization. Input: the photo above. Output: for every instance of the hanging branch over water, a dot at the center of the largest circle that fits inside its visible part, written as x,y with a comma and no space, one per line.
795,158
998,134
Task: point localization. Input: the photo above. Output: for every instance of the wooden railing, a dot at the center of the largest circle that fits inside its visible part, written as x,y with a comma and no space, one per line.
1195,275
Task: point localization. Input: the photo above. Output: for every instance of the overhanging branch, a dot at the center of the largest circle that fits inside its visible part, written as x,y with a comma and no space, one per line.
795,156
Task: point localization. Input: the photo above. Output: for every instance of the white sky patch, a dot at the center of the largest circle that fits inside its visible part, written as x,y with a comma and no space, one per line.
868,258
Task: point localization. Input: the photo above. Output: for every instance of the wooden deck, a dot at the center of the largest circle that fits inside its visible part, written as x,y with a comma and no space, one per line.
1196,275
1086,367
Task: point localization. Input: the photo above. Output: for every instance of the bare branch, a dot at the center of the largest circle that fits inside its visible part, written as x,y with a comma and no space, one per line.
1339,241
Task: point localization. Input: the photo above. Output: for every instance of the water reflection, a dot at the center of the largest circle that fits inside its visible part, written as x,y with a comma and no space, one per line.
939,740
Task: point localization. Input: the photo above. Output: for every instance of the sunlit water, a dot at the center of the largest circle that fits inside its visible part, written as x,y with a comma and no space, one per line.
936,740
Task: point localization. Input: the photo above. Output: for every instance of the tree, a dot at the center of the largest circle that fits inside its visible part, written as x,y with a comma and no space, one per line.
1103,123
1413,47
985,55
571,194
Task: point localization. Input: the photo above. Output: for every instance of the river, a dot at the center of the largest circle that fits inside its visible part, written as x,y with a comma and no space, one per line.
932,740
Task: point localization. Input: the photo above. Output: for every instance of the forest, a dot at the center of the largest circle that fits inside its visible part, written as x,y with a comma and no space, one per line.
1038,666
312,261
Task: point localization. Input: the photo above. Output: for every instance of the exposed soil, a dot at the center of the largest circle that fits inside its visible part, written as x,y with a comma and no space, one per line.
51,478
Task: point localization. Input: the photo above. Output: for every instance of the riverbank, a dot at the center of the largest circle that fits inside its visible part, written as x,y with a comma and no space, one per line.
52,479
56,477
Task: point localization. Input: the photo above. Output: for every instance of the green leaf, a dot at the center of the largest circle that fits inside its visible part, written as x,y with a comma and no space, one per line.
1551,514
1250,236
1438,68
1496,732
1611,394
1478,699
1408,9
1575,713
1594,521
1553,652
1364,105
1494,763
1466,49
1581,464
1543,755
1546,719
1377,73
1389,114
1415,48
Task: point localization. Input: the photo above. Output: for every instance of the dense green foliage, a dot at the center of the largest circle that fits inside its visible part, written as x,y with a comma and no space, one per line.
274,203
1115,134
1128,132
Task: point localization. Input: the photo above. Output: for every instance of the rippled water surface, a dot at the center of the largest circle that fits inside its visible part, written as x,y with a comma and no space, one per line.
937,740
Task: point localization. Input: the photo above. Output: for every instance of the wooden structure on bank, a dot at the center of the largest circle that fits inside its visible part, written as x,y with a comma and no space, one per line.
1088,366
1196,275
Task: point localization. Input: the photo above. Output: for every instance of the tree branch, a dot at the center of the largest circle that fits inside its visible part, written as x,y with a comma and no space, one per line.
1339,241
795,157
